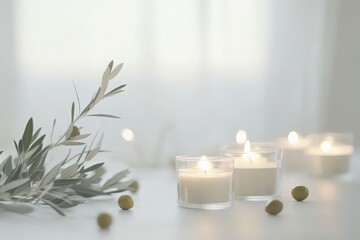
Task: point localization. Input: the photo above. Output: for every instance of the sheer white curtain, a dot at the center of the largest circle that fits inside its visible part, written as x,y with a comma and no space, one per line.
197,71
8,99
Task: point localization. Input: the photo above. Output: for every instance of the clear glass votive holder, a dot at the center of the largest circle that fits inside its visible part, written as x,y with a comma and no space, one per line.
329,154
204,182
257,171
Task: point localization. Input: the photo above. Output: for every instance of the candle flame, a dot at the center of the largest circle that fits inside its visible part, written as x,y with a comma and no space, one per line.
127,134
325,146
247,147
204,164
241,137
293,137
249,155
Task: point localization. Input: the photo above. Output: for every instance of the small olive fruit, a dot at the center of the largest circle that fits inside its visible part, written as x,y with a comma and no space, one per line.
125,202
104,220
274,207
300,193
75,132
135,186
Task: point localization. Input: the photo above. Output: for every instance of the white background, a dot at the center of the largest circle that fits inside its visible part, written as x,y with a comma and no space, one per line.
197,71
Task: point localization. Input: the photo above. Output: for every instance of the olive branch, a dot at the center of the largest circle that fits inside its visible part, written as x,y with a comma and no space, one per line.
24,178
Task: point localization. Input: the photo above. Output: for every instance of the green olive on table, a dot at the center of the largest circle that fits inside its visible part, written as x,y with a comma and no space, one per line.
300,193
125,202
274,207
104,220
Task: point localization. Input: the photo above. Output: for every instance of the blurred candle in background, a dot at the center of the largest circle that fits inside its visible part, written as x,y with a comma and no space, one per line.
293,151
329,153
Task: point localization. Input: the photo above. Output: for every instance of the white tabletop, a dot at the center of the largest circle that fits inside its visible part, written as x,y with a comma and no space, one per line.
331,212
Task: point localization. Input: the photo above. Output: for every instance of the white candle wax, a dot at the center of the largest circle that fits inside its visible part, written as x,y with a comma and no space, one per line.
255,179
328,162
200,187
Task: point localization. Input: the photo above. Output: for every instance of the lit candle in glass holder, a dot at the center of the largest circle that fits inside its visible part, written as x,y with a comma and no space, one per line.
329,153
256,171
204,182
293,151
